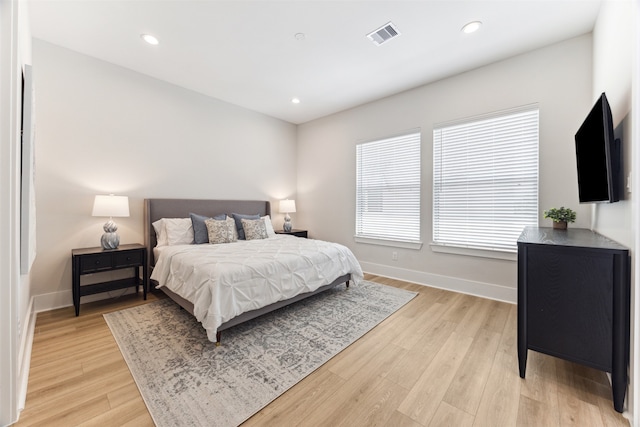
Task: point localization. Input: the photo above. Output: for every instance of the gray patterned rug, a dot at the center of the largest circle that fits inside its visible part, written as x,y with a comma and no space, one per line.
186,380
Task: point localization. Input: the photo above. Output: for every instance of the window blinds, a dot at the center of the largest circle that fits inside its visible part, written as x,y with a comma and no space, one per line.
485,176
388,188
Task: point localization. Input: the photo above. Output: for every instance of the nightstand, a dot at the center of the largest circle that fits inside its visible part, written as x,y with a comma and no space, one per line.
98,260
294,232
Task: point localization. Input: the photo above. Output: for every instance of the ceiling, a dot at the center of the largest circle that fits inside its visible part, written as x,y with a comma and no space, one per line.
246,52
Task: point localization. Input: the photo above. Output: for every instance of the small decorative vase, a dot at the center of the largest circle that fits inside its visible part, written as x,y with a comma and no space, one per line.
560,225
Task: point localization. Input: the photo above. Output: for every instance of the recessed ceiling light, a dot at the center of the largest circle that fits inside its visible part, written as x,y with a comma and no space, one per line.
295,100
149,39
300,36
472,27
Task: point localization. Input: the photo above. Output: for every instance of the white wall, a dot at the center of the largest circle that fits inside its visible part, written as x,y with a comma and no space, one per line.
613,55
15,51
104,129
557,77
615,51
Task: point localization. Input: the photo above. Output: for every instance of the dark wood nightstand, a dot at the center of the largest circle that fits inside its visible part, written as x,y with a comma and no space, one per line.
293,232
98,260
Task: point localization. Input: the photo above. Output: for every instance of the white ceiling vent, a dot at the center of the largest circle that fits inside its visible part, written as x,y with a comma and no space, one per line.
383,34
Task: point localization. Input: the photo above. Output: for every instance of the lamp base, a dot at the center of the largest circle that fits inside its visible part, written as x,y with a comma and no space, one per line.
110,239
287,223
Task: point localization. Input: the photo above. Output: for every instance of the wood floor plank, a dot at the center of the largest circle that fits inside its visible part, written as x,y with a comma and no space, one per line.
501,396
469,381
575,412
362,388
398,419
373,406
123,394
540,386
122,414
143,420
296,405
425,396
532,413
498,312
416,369
75,393
409,368
424,323
66,412
450,416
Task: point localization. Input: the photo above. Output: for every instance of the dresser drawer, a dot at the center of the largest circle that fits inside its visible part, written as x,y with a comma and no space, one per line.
124,259
96,262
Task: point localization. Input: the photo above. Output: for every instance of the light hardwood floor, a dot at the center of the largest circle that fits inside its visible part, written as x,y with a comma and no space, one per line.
444,359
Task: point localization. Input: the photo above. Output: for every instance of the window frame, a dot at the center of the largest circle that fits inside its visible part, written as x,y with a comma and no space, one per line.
411,136
490,249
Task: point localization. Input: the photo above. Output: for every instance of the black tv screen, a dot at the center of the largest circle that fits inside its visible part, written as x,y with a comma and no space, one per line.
598,156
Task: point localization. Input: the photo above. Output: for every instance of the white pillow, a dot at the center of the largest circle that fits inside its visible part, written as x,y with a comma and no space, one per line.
161,233
179,231
268,225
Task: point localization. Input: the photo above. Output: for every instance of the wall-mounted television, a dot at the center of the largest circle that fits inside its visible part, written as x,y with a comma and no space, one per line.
598,156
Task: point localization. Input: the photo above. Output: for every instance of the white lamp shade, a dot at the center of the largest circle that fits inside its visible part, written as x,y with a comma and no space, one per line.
287,206
111,206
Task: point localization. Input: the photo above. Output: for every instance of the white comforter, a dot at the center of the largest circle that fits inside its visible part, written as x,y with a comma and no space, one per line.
223,281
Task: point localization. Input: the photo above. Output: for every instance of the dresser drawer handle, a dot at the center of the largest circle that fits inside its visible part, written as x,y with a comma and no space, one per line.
128,258
97,262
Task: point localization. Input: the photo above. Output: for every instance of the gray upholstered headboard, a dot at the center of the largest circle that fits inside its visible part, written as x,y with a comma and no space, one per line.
155,209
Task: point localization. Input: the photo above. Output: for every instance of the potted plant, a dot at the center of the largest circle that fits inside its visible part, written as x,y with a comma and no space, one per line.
560,217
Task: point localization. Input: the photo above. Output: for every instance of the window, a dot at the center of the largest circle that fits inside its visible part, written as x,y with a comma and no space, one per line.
388,191
485,178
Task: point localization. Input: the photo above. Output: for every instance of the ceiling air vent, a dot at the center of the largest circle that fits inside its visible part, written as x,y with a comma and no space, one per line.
383,34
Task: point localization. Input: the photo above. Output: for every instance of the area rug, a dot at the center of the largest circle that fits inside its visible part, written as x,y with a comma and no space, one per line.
185,380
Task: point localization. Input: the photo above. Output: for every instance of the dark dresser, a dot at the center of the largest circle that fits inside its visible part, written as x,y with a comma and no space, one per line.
573,301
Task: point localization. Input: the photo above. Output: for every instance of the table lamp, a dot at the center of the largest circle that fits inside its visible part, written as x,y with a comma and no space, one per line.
110,206
287,207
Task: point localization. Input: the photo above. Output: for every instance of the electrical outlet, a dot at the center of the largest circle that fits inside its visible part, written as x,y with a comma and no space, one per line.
394,256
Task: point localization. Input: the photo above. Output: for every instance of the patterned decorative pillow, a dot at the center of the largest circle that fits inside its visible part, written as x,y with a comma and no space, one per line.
221,231
254,229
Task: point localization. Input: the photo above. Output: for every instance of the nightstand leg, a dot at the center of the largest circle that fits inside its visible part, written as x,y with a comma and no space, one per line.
145,278
76,288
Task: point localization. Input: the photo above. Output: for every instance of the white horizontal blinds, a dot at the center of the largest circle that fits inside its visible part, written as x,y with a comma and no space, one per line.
388,188
486,180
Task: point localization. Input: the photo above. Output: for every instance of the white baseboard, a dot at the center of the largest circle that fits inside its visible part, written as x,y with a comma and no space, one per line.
61,299
24,357
480,289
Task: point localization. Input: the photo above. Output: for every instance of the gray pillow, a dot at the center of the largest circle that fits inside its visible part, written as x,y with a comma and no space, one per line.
238,218
200,233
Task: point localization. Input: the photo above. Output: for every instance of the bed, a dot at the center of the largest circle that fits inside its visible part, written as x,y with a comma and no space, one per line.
223,285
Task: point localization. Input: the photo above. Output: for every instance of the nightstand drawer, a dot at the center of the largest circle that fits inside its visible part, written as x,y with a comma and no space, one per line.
95,263
126,259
